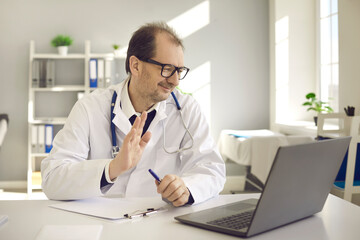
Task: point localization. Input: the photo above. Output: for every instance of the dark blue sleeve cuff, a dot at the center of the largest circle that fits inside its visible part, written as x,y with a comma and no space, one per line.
191,199
104,182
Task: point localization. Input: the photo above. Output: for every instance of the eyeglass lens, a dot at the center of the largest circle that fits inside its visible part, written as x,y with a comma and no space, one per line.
168,70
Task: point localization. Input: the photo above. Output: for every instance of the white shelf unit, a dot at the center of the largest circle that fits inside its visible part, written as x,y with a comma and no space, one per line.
69,88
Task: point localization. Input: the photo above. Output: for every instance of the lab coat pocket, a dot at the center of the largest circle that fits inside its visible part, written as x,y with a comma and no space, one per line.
167,163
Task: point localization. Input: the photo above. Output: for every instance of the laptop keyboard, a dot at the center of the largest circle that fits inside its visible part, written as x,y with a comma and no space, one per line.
236,221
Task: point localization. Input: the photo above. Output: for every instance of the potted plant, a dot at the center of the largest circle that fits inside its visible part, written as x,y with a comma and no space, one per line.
316,105
62,43
116,48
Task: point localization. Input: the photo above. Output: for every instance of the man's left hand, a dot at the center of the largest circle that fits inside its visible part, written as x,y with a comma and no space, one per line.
173,189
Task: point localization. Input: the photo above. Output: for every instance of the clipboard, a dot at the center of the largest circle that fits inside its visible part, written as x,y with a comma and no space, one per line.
114,208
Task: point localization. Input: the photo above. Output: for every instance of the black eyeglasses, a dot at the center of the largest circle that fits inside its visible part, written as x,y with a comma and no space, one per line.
167,70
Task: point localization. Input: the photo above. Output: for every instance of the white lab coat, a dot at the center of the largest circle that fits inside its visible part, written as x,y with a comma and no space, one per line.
83,147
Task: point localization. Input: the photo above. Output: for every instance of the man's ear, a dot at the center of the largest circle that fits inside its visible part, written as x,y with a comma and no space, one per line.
134,64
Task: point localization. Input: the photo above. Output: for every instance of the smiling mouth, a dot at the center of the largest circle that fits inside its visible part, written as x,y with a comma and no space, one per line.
168,88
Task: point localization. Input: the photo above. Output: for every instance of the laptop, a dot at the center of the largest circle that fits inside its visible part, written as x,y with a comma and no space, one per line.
297,187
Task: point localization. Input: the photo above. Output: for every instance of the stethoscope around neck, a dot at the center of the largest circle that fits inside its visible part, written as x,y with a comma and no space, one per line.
116,148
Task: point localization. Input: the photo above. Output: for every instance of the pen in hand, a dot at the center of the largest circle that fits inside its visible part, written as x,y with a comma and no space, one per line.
155,176
159,181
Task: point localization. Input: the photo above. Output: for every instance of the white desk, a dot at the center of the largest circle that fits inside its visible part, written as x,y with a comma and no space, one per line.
338,220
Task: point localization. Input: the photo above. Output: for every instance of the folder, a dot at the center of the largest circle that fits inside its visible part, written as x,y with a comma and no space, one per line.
35,74
49,135
101,75
34,139
41,139
107,73
42,73
50,73
93,73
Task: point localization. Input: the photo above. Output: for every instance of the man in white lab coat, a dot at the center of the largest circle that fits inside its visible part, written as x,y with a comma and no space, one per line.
81,163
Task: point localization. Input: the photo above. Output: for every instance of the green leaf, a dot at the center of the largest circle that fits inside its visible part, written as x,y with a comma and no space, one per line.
329,109
310,95
311,108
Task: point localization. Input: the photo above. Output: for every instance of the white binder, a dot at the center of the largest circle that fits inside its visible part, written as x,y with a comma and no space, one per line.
50,73
107,73
101,75
41,139
34,139
35,74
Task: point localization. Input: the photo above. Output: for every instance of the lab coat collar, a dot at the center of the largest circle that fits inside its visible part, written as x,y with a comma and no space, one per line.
126,104
120,120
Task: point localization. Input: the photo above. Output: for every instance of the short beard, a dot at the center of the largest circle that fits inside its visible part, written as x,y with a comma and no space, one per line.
156,97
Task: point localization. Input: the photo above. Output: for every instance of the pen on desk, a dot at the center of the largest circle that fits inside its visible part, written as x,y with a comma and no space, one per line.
154,175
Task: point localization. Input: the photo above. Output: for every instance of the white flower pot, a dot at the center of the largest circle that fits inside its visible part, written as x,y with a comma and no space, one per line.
63,50
117,53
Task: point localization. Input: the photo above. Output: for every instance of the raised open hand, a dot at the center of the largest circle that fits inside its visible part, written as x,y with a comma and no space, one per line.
131,149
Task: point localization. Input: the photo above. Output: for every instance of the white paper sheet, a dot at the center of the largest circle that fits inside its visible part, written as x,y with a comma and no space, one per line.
110,208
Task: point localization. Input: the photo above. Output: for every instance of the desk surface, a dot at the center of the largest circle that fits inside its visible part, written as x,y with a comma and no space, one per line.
338,220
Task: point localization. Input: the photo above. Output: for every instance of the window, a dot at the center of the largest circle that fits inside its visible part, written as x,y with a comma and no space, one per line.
329,52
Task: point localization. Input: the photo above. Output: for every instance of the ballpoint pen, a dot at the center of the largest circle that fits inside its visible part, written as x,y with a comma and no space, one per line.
155,176
159,181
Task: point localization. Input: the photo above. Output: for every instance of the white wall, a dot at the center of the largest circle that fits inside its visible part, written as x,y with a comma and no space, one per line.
349,53
235,42
300,69
302,54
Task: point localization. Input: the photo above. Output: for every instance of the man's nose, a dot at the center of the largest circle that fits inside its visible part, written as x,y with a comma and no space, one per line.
174,79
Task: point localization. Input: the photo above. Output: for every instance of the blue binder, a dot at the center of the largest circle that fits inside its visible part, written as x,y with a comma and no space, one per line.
93,73
49,136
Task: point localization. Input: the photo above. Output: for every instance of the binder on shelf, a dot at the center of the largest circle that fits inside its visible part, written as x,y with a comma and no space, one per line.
42,73
100,72
50,73
41,139
49,133
35,74
107,73
34,139
93,73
